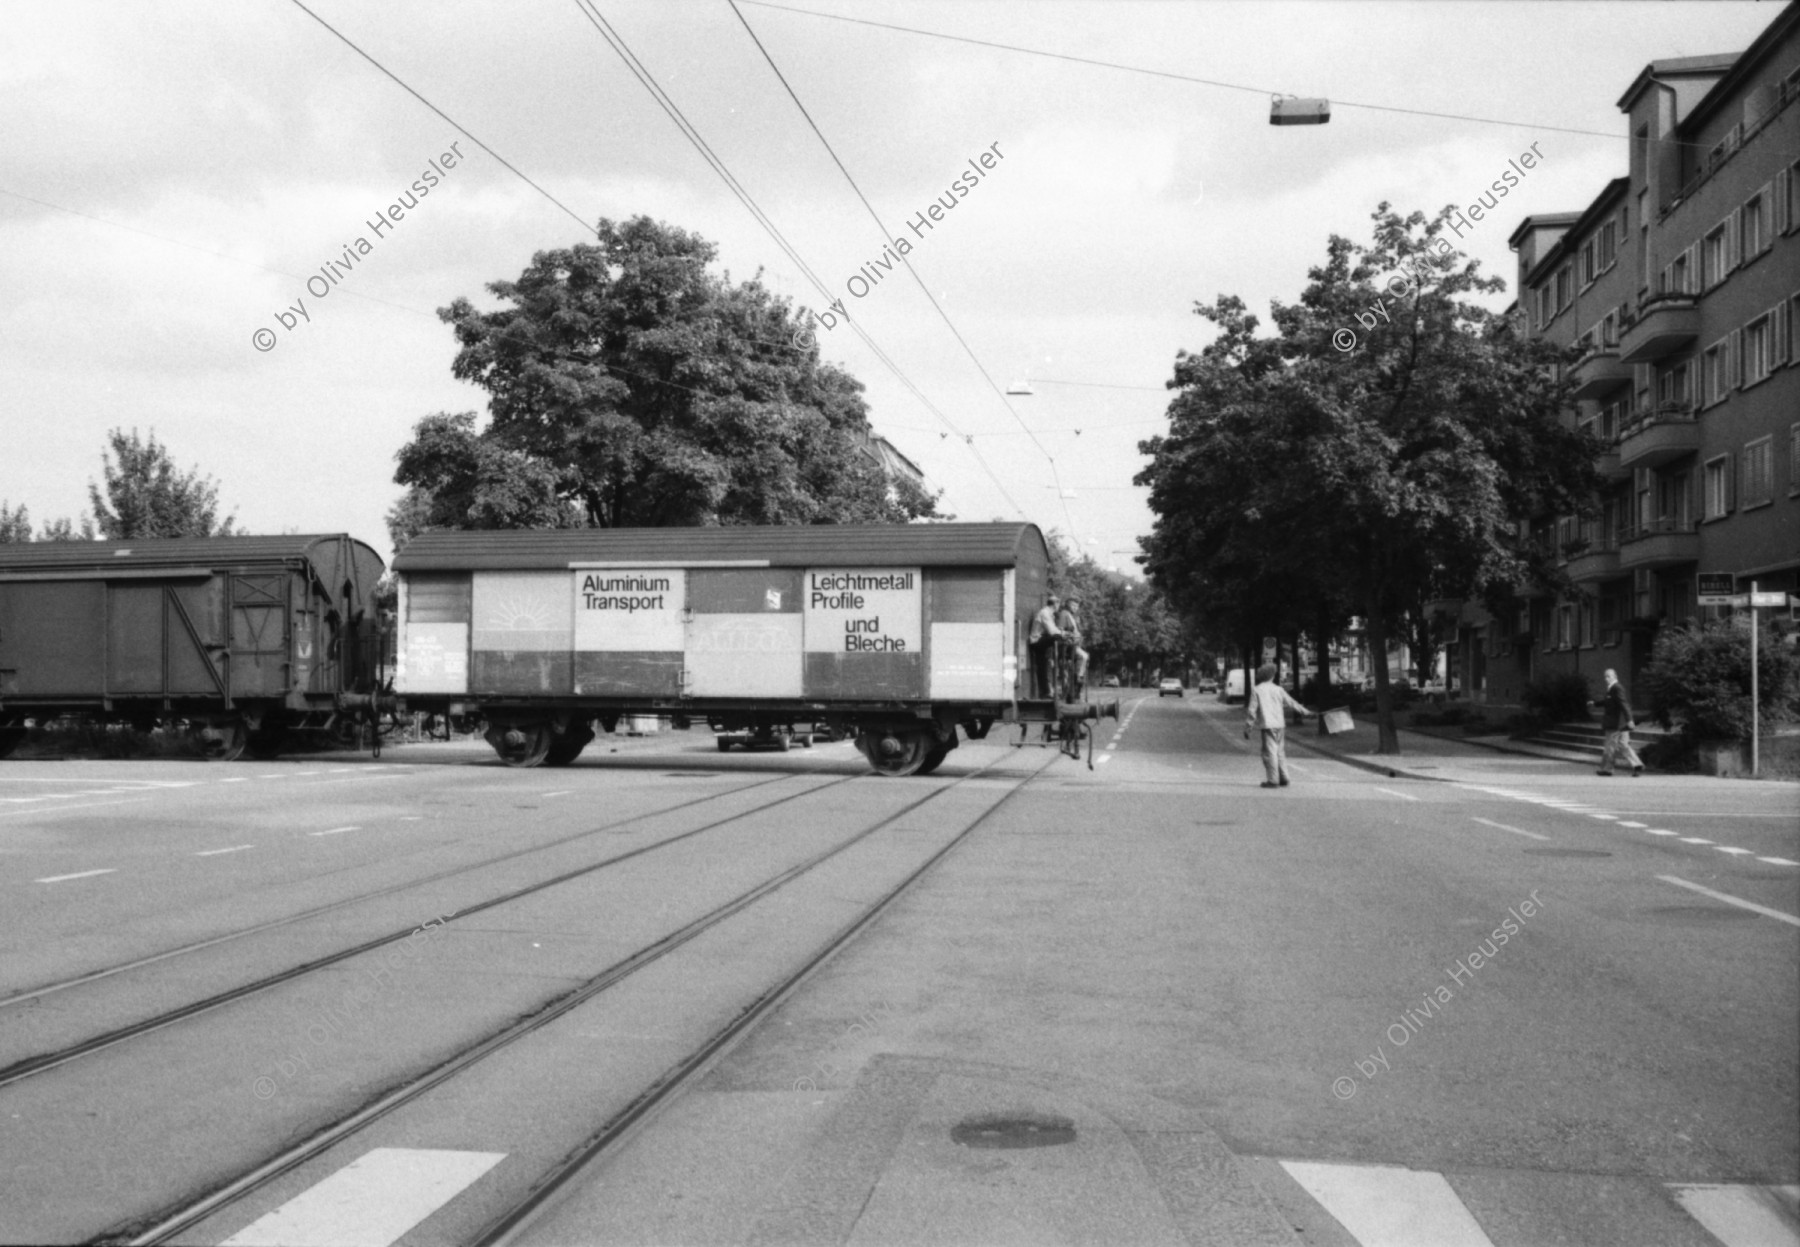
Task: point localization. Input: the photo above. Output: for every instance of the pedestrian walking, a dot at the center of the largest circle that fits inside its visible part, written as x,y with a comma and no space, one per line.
1616,722
1266,709
1042,643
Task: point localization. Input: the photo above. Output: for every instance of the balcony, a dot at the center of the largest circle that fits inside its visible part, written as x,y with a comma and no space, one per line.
1599,372
1596,561
1608,465
1663,542
1666,323
1659,435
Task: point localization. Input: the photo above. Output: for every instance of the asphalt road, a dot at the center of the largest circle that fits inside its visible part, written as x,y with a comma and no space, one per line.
1229,1014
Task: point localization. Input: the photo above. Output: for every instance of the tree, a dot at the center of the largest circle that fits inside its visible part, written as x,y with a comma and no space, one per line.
1300,478
15,523
146,495
1700,677
631,386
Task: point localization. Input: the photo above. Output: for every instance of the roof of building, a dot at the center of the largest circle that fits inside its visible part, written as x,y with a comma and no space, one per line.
1677,67
1787,20
1540,220
812,545
335,557
1578,224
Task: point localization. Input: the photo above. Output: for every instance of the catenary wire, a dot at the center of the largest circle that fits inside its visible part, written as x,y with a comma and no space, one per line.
887,234
1207,82
692,134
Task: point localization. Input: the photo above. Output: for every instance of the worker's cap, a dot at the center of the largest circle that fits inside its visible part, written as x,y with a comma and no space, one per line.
1051,597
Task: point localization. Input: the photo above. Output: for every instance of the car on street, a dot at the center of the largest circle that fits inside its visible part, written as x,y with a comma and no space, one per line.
1205,685
1170,685
1111,681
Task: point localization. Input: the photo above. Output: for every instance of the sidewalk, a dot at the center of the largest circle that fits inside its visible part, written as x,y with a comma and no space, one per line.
1357,748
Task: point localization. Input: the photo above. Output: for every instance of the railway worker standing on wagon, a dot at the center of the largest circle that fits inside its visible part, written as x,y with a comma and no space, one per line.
1070,623
1266,708
1042,641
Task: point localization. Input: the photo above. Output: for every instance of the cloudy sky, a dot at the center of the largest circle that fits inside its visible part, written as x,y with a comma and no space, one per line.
171,174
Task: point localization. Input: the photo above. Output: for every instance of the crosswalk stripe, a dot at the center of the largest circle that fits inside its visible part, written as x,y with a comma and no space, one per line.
1387,1207
371,1202
1743,1216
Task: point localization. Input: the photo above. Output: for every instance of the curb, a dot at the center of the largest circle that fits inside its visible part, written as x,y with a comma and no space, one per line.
1377,768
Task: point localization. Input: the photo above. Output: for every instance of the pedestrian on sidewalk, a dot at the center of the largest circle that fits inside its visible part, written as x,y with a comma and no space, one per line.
1266,709
1616,722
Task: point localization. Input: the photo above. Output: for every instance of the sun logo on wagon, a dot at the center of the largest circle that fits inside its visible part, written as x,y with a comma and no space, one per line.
522,612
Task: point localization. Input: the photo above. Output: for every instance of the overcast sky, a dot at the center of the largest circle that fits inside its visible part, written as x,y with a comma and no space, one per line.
163,132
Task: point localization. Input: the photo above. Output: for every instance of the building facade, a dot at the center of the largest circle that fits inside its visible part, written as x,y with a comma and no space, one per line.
1679,287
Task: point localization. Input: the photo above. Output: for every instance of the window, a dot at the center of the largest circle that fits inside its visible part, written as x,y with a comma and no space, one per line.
1609,328
1588,612
1673,505
1718,487
1565,288
1608,246
1787,194
1542,308
1759,472
1712,259
1753,229
1588,263
1612,416
1712,374
1793,459
1565,627
1759,342
1672,385
1679,280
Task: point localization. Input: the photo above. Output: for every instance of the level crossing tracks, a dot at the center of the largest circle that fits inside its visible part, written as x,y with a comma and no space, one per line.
201,1117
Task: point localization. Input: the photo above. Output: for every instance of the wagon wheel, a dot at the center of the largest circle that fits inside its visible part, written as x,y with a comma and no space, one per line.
933,760
223,742
523,745
566,748
894,753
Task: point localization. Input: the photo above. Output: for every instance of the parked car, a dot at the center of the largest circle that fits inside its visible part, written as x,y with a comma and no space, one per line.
1206,685
1234,689
1168,686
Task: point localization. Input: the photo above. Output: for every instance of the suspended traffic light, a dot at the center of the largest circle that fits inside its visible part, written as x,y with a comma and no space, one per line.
1286,110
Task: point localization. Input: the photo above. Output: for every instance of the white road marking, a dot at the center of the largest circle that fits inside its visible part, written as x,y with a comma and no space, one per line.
1403,796
236,779
371,1202
1777,861
1725,848
1609,818
1742,1216
92,805
1658,831
1105,757
334,831
80,874
339,770
562,793
1764,910
299,774
1623,823
1383,1206
277,776
236,848
1520,830
1695,840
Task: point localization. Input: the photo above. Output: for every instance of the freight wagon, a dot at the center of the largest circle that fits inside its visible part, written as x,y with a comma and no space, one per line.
246,639
899,633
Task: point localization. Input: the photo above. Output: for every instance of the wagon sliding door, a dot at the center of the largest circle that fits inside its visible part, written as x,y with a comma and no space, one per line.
50,633
744,632
167,639
969,658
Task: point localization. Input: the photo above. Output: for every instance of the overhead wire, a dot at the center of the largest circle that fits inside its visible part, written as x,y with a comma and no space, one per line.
1207,82
888,235
648,80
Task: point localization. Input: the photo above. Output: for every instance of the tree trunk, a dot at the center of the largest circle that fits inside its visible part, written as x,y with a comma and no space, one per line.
1322,643
1377,636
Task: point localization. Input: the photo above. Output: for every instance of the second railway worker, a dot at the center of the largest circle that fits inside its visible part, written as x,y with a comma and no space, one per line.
1042,640
1070,623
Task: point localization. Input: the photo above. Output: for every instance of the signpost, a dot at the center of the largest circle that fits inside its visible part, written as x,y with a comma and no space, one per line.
1718,589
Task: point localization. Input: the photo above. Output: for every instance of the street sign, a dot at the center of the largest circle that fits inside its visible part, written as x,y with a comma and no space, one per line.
1765,600
1723,599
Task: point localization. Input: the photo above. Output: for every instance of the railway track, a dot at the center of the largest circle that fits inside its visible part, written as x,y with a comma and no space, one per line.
180,1216
20,1070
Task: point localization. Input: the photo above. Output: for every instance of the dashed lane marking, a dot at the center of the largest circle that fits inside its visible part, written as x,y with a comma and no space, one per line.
1605,818
1519,830
1726,848
1739,1216
1695,840
92,805
80,874
334,831
562,793
1383,1206
1553,803
1739,901
1777,861
1640,826
1660,831
236,848
373,1201
1405,796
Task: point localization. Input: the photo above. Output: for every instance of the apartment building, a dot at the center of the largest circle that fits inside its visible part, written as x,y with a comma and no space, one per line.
1679,286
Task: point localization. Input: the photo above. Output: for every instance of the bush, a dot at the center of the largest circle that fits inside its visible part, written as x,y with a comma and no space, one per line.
1700,678
1557,698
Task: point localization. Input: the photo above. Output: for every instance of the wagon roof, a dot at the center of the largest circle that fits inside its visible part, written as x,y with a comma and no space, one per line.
813,545
335,557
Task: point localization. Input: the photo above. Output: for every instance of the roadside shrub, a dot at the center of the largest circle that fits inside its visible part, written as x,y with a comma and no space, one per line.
1557,698
1699,679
